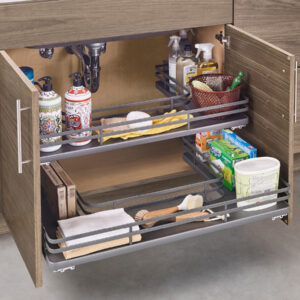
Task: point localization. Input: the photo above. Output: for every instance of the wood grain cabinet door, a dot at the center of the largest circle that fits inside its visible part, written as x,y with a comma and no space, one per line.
297,125
59,21
269,82
19,160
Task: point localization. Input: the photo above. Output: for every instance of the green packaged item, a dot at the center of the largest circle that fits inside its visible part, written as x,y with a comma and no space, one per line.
225,155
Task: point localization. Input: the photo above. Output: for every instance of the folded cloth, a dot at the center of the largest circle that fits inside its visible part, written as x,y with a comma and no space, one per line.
92,222
156,130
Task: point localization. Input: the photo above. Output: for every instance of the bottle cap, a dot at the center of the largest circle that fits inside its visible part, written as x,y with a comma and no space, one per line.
47,86
187,48
183,33
77,79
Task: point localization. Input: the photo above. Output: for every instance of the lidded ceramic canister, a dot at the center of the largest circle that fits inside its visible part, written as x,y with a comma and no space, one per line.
49,113
78,107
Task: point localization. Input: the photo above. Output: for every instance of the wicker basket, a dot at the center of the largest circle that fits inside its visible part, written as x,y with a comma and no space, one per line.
205,99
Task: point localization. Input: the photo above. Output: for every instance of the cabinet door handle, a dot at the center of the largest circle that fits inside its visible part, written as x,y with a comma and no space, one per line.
296,90
19,136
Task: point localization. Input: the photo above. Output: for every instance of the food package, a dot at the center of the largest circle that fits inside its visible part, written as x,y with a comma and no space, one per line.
225,155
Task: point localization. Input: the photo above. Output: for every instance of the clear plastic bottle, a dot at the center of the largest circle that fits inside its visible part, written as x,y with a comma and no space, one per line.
173,56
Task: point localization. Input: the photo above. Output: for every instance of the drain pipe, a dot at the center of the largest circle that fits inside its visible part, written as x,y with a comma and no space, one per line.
90,63
95,50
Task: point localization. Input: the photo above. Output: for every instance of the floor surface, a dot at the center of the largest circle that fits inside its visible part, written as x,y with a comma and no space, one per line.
256,261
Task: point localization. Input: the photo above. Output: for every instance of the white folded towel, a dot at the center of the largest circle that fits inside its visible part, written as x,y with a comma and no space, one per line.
96,221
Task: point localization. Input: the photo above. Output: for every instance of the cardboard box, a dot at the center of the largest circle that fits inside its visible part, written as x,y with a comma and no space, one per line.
238,141
225,155
203,140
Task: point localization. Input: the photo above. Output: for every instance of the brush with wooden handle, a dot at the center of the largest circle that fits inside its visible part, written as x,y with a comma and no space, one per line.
189,202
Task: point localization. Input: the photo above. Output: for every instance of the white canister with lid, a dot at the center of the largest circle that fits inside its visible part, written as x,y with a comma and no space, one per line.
78,107
50,114
256,176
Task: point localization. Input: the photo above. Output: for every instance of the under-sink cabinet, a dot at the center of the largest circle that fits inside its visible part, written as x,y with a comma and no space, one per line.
145,172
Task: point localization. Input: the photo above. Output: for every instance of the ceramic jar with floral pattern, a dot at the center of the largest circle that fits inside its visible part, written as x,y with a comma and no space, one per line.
78,106
50,114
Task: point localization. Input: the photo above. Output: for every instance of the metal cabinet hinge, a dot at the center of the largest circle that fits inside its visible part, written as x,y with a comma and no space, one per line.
65,269
279,217
223,39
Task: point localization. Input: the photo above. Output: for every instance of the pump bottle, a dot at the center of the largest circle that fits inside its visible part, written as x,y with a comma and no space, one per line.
173,56
78,105
206,65
49,113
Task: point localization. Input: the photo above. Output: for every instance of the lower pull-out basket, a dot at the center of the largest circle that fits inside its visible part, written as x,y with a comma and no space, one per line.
219,203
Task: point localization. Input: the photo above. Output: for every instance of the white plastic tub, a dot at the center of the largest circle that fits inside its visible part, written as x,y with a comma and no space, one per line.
255,176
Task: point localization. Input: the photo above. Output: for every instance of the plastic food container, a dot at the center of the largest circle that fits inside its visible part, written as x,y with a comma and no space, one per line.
256,176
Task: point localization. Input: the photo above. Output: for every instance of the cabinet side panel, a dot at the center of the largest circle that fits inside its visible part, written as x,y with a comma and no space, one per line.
269,83
40,23
275,21
21,192
3,225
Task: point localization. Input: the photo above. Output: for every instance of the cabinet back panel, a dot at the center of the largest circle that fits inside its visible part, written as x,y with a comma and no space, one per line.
127,69
128,166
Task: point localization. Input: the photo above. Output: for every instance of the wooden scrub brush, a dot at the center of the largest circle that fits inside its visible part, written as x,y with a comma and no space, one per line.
201,86
189,202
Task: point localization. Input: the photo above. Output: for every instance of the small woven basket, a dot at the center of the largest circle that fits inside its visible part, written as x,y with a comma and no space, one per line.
205,99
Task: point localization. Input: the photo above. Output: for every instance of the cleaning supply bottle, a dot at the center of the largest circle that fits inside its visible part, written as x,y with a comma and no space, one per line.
184,39
186,66
28,71
173,56
236,82
206,65
49,113
78,106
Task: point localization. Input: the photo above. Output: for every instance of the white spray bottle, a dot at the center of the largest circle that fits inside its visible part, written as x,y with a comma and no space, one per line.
206,65
173,56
